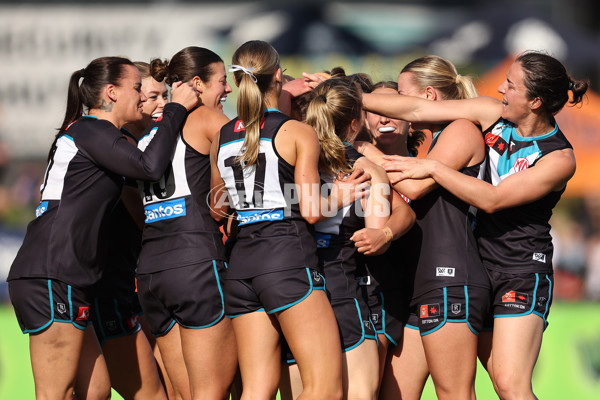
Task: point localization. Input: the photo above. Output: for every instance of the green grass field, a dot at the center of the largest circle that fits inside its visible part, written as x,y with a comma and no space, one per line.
568,366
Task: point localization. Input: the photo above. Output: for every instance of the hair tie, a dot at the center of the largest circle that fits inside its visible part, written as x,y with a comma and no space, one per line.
458,76
82,77
323,97
247,71
571,85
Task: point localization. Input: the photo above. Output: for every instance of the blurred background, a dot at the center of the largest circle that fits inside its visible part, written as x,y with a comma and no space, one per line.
42,42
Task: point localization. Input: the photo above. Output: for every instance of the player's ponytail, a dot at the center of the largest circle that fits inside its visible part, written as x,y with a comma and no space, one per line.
441,75
185,65
547,78
578,88
254,65
85,89
336,103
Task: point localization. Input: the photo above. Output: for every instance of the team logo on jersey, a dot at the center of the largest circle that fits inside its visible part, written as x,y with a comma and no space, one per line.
445,271
61,308
513,296
521,164
539,257
83,314
455,308
165,210
496,142
430,310
490,139
239,125
41,208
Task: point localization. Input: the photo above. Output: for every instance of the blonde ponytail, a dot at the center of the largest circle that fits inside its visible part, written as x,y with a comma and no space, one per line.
336,103
255,63
250,109
332,157
465,86
441,74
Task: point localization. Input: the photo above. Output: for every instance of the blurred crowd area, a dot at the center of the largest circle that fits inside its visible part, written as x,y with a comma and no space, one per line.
575,229
576,234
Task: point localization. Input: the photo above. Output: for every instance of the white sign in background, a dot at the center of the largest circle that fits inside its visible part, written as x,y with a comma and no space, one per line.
40,46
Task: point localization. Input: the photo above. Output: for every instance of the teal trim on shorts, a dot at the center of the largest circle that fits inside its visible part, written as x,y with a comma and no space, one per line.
70,307
455,321
52,319
310,289
100,325
51,313
414,328
533,300
545,315
466,319
220,317
173,322
384,331
445,315
467,305
363,335
249,312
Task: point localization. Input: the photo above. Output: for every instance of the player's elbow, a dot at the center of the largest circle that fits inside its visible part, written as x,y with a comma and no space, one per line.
411,191
312,219
217,216
489,206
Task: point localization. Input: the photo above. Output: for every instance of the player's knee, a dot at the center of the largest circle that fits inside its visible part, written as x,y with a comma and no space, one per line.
329,392
511,386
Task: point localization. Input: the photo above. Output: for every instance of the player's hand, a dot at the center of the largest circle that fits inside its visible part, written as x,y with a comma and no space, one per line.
370,241
408,167
185,94
347,189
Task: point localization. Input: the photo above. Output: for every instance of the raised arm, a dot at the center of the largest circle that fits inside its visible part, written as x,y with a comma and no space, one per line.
482,111
120,156
459,145
550,173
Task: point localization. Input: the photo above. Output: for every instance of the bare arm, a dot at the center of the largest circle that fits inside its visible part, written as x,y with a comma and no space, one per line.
459,145
374,239
295,88
482,111
551,173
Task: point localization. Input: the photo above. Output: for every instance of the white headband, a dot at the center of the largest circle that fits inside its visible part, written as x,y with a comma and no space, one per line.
247,71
